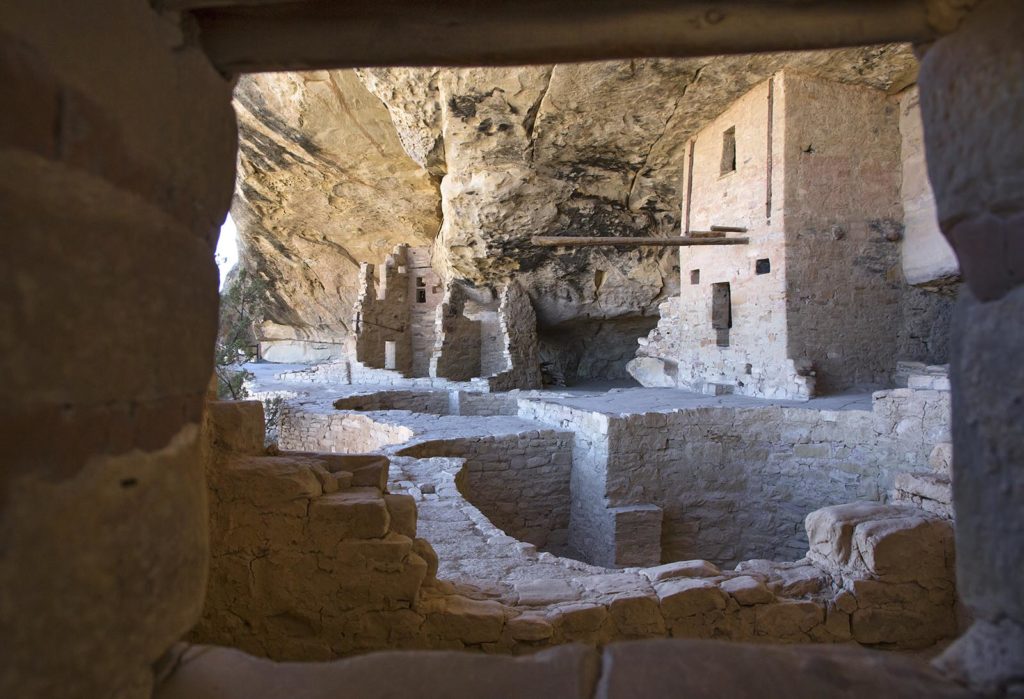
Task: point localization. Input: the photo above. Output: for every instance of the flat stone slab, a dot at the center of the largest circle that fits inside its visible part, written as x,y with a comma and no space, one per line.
715,669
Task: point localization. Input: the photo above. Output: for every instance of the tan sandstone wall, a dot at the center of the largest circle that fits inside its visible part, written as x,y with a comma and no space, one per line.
927,256
117,152
843,226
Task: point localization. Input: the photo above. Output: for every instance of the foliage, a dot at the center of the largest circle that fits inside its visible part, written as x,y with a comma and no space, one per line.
243,304
272,418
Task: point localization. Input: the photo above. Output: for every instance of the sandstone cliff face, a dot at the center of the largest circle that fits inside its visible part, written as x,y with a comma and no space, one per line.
324,184
505,154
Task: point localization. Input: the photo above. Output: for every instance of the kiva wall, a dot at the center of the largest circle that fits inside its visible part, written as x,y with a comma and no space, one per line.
735,483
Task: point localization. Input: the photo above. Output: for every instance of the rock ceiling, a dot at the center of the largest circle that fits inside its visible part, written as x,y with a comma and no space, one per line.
338,167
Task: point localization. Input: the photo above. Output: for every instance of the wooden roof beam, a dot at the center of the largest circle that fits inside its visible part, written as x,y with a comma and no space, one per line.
268,35
566,241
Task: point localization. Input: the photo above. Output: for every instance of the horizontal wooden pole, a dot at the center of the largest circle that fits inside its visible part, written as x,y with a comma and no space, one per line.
254,36
568,241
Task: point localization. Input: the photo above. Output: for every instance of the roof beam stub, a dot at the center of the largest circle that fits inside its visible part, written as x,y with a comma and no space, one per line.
271,35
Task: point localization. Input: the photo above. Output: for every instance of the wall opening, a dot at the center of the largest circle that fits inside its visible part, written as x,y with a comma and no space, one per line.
729,150
390,354
721,311
763,266
695,276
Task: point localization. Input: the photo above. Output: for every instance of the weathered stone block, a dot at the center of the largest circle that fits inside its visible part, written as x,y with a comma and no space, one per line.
529,627
402,512
682,569
467,620
236,426
747,590
688,596
347,515
787,619
637,615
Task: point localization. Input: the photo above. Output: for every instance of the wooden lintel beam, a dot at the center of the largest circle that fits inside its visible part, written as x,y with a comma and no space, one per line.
188,5
254,35
566,241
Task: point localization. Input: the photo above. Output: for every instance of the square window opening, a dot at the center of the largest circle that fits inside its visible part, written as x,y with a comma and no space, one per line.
695,276
763,266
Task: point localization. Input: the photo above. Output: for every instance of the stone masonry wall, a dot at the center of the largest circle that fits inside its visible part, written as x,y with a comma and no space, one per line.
520,365
520,482
382,315
591,530
735,483
433,402
312,558
844,221
750,357
424,294
456,354
306,428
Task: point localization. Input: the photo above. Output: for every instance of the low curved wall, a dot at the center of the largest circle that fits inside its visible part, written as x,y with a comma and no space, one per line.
520,481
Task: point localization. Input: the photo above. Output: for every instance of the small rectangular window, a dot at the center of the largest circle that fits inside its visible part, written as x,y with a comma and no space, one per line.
695,276
420,283
729,150
421,296
390,354
721,312
763,266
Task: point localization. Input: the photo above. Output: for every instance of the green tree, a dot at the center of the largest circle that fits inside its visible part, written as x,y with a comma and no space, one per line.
243,304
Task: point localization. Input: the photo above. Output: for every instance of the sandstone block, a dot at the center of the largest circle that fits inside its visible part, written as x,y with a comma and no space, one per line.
894,542
788,620
530,627
681,569
347,514
652,372
578,618
424,550
467,620
716,669
687,596
747,590
237,426
402,511
637,615
263,482
532,593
